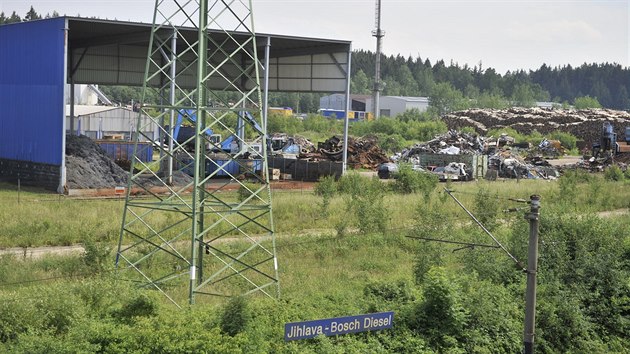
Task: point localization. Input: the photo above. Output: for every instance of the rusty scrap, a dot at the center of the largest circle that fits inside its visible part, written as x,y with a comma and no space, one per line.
363,152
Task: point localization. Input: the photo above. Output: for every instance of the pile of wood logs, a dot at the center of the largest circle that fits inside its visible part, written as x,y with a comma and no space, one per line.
585,124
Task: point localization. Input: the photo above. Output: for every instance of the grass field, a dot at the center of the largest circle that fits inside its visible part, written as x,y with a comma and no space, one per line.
32,217
329,266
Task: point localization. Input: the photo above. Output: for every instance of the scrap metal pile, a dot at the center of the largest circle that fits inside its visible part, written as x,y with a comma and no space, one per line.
504,154
508,164
585,124
593,164
451,143
362,152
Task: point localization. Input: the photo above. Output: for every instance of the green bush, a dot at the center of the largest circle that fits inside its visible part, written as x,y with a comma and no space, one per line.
235,316
364,204
96,256
141,305
440,317
568,186
410,181
279,123
586,102
428,223
614,173
326,187
416,130
352,183
400,291
369,208
567,140
391,143
486,208
492,325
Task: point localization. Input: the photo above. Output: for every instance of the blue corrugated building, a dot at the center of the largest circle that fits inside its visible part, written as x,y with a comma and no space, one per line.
32,84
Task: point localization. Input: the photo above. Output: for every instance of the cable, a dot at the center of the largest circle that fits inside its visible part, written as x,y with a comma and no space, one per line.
486,231
454,242
512,199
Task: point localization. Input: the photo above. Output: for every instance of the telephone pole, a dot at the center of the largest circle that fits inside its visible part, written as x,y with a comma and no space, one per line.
532,267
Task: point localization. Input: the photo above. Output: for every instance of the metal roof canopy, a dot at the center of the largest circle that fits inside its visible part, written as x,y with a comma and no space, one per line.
114,53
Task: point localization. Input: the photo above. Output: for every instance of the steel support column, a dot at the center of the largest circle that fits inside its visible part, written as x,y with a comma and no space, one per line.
348,109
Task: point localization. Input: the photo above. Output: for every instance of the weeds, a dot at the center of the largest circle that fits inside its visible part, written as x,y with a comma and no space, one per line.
326,188
246,190
614,173
486,208
410,181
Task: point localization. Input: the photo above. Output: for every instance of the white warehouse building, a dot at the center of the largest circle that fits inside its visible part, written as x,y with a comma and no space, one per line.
98,122
390,106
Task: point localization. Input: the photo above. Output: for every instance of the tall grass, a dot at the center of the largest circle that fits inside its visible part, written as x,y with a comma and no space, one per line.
39,218
56,302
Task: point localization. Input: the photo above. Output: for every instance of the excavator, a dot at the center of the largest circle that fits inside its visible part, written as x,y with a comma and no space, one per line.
608,146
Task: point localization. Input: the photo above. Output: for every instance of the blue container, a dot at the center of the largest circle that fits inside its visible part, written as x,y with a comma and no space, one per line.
123,150
213,166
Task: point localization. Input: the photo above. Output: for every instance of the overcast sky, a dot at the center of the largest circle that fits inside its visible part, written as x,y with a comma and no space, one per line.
503,34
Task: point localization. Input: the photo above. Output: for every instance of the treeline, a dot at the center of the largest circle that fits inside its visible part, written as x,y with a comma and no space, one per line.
453,87
29,16
608,83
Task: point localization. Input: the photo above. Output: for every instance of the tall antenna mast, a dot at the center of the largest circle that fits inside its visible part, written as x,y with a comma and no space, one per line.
379,34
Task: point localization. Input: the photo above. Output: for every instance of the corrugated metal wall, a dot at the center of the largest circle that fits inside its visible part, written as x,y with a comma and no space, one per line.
32,91
115,120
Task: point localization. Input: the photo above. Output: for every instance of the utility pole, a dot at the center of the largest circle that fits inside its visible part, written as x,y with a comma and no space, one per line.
379,34
532,263
532,267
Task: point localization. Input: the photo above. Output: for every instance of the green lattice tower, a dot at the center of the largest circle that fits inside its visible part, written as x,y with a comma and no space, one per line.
185,231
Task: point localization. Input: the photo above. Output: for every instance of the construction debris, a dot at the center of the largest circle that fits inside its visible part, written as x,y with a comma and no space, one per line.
592,164
306,145
460,154
282,144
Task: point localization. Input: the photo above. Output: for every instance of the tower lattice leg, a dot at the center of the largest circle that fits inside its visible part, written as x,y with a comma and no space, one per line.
198,219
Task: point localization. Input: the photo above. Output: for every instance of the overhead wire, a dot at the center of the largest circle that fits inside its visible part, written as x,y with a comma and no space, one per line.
486,230
500,197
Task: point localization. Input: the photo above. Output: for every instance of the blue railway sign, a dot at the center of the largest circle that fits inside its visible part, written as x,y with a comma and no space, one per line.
339,325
